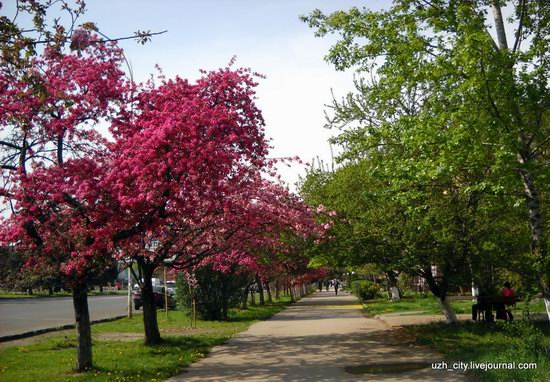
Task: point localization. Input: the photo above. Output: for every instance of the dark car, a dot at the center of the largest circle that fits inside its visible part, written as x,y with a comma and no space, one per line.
158,293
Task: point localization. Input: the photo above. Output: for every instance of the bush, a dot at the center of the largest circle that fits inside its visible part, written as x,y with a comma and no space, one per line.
526,338
215,293
183,294
365,290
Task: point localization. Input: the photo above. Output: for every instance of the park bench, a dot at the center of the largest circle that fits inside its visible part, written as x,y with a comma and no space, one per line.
488,304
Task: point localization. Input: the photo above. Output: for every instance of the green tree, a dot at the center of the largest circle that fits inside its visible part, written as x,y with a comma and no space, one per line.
460,109
366,225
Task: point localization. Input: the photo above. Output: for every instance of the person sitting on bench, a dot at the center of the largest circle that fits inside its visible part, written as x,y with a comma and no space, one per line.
482,306
508,292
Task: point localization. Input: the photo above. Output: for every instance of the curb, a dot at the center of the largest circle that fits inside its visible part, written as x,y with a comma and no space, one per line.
54,329
386,323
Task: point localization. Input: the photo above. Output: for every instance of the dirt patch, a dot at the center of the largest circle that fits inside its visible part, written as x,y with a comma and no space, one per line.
133,336
119,336
189,331
109,336
34,339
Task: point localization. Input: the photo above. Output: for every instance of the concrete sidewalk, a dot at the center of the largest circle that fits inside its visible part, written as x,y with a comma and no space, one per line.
321,338
396,320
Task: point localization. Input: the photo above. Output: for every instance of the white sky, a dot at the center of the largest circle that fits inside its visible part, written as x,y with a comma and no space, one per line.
265,35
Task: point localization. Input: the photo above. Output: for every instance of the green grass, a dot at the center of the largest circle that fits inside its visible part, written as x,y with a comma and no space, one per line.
503,342
428,305
52,359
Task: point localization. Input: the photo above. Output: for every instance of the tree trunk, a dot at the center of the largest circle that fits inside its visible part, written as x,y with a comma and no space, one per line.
225,301
152,333
260,291
277,290
546,296
499,24
252,298
547,304
395,294
83,329
536,223
474,288
292,299
269,297
447,309
439,290
525,157
394,291
244,298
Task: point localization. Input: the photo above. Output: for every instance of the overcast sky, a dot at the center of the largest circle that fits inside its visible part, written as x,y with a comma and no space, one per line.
265,35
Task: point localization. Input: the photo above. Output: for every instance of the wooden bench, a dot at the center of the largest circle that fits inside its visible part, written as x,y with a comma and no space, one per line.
486,304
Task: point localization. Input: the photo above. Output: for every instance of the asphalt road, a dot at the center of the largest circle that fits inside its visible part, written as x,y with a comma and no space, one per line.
28,314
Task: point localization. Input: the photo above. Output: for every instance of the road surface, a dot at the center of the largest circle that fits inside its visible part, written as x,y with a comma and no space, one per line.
29,314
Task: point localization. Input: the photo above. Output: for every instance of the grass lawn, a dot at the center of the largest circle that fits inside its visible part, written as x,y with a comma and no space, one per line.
119,353
502,342
428,305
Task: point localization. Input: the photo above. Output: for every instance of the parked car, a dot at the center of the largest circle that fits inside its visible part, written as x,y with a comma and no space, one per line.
171,285
158,292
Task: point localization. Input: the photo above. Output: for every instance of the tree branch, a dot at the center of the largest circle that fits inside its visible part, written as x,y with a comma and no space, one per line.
12,145
104,40
517,43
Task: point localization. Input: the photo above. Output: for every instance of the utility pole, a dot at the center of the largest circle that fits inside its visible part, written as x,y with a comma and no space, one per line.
165,292
129,290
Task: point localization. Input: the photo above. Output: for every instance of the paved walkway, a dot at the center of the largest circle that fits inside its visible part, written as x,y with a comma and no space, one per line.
321,338
401,319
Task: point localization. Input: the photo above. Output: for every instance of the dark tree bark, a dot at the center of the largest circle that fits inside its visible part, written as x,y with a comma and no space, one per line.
277,290
260,291
244,298
152,333
268,289
225,298
83,329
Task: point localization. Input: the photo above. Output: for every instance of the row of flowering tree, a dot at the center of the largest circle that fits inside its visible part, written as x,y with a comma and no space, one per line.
181,165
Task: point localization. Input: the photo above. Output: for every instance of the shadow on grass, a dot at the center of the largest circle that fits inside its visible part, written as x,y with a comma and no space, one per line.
258,312
492,343
147,363
53,359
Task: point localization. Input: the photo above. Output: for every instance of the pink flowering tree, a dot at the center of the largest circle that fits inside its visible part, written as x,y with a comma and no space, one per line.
178,162
266,226
52,161
220,281
280,226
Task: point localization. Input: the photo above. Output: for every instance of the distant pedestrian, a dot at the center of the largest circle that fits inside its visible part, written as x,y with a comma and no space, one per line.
336,286
320,285
326,285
